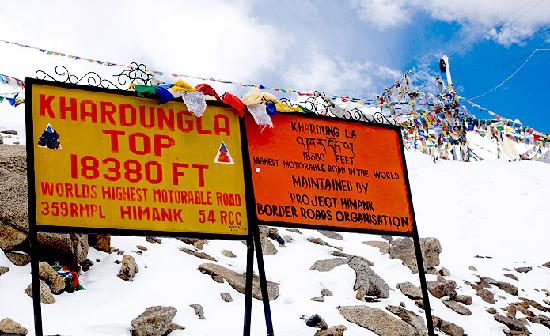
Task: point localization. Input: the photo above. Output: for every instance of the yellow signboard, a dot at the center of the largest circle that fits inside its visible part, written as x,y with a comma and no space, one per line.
112,161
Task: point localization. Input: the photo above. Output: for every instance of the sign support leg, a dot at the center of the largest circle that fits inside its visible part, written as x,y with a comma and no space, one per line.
263,280
37,309
248,288
423,284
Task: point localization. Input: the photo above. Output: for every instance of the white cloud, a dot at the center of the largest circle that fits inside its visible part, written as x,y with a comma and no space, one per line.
337,76
514,20
382,13
216,38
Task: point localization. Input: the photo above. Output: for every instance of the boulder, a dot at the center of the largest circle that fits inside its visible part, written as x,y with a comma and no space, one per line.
153,240
523,269
315,321
238,281
128,268
9,131
321,242
328,264
383,246
447,327
331,234
512,323
46,296
66,248
4,270
326,292
465,299
318,298
226,297
442,287
541,319
18,258
511,276
228,254
198,254
198,243
403,249
457,307
546,264
199,310
377,321
10,327
367,283
486,295
332,331
154,321
410,290
411,318
50,276
100,242
267,246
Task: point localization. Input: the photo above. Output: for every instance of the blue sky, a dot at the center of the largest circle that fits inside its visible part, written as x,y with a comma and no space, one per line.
347,47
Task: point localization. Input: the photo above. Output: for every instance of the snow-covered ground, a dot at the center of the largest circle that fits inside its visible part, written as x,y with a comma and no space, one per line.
488,208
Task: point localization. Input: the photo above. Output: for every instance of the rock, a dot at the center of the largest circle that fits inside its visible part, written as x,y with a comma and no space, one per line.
52,279
4,270
10,327
410,290
11,132
46,296
442,287
512,323
238,281
68,249
511,276
141,247
174,327
465,299
376,320
199,311
411,318
154,321
328,264
546,264
294,230
321,242
153,240
331,234
472,268
403,249
18,258
10,237
486,295
447,327
507,287
86,264
229,254
100,242
444,272
332,331
128,268
491,310
226,297
326,292
198,254
315,321
540,319
523,269
383,246
198,243
267,233
457,307
318,299
367,283
342,254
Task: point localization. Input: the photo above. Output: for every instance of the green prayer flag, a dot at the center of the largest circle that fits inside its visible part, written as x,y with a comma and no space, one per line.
1,99
145,90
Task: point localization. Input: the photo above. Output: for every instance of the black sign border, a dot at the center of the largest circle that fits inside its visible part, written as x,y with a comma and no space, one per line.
29,82
413,234
34,228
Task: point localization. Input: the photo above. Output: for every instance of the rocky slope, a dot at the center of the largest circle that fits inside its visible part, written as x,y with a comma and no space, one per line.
321,283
